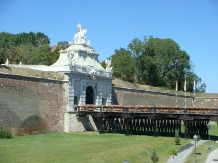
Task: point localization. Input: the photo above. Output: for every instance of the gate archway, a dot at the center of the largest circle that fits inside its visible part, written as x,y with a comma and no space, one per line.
89,95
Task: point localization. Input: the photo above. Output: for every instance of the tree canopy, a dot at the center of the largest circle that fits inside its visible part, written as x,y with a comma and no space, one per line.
156,62
25,48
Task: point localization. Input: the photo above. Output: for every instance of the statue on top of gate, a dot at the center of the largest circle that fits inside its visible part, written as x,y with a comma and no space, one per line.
79,37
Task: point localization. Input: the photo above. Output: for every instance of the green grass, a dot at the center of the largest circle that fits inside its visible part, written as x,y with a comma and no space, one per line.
202,149
85,148
202,152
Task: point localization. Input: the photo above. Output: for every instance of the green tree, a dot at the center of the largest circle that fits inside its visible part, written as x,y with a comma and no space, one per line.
177,138
6,42
161,62
24,46
123,65
136,49
154,158
41,55
55,54
11,53
24,53
173,152
103,64
41,39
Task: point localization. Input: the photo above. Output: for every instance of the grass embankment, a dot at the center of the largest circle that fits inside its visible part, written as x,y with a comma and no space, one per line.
85,148
88,148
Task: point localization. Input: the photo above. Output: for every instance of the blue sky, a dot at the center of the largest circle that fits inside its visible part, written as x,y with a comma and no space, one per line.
114,23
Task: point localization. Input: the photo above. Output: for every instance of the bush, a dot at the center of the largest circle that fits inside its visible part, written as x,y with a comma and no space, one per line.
154,158
5,133
177,138
173,152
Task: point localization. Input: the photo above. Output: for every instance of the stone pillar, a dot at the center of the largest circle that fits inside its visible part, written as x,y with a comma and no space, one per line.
82,100
109,94
100,94
71,93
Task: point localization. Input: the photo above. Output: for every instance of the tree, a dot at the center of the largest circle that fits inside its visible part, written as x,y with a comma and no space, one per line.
136,49
41,39
154,158
11,53
41,55
24,46
24,53
103,64
6,42
173,152
123,65
55,54
177,138
161,62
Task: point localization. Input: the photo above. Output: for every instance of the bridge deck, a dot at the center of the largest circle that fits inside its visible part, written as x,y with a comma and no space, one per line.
190,113
150,120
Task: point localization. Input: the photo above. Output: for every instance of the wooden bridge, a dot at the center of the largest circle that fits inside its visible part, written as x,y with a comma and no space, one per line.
160,120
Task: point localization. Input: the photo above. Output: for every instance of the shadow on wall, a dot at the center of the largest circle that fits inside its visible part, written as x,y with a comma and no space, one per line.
33,125
86,123
114,97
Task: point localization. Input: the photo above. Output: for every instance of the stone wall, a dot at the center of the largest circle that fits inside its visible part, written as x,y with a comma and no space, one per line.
128,96
30,105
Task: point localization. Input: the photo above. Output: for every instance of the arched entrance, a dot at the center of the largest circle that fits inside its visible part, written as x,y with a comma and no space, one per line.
89,95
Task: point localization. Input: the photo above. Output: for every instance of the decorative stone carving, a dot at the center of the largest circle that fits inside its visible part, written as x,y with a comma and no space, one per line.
88,43
7,62
108,65
79,27
79,37
93,74
70,55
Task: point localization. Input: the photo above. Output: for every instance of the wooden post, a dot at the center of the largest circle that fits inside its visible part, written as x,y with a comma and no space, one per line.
127,120
101,119
154,108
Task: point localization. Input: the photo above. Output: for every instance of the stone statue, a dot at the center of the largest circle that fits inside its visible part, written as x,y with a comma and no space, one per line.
79,27
108,65
7,62
79,37
93,74
88,43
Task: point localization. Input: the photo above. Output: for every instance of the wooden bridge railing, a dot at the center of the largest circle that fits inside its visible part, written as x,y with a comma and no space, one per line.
147,109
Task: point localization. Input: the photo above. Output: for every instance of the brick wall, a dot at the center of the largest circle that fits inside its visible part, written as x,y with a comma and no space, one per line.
31,105
126,96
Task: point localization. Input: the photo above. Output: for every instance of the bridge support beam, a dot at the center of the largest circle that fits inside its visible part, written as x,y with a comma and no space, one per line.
198,127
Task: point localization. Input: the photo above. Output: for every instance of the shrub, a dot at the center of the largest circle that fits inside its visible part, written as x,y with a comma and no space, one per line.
177,138
173,152
154,158
5,133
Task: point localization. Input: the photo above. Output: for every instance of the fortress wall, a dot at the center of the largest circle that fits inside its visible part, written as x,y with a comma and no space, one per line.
32,105
126,96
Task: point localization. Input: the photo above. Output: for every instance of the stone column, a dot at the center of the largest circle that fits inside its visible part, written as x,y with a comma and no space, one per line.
82,100
109,94
99,94
71,93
